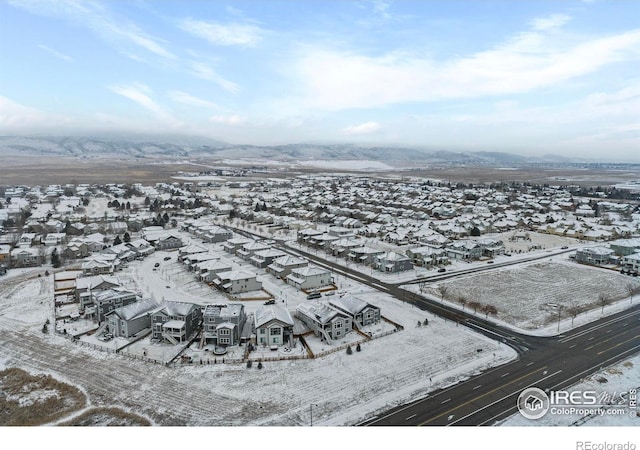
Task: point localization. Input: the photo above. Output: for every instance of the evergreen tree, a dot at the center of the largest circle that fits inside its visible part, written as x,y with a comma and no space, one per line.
117,240
55,258
127,237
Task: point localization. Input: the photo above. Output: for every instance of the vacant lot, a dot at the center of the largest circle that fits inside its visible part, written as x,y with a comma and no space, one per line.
107,417
528,295
27,399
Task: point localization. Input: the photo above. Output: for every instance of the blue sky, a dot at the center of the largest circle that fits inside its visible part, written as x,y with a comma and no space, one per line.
528,77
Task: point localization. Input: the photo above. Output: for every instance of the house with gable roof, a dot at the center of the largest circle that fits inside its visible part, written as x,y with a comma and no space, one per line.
175,322
129,320
361,312
281,267
392,262
325,322
223,324
236,282
309,278
273,326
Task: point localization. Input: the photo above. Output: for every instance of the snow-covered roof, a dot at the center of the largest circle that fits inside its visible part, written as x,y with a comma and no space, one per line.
266,314
136,309
350,303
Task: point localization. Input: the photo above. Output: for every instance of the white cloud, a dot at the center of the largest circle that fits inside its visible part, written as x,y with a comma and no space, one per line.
205,72
139,93
224,34
99,19
55,53
190,100
551,22
232,120
329,79
363,128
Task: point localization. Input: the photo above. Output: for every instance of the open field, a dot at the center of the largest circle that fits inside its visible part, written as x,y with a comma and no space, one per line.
529,295
61,170
106,417
27,399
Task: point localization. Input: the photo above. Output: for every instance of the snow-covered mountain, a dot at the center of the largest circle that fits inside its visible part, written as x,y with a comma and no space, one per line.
192,147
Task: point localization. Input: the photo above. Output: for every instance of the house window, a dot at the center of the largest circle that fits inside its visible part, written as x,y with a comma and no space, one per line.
261,330
338,324
224,331
275,331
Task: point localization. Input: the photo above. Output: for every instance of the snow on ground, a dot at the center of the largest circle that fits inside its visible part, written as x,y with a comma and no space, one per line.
527,296
612,382
358,164
346,388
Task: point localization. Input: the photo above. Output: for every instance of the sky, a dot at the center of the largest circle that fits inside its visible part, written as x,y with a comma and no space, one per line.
529,77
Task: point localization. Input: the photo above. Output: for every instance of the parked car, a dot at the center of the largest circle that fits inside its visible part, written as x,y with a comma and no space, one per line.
314,295
442,269
564,247
330,293
270,302
156,265
489,262
167,258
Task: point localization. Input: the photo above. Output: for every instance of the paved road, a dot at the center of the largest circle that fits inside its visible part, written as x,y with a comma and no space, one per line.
551,363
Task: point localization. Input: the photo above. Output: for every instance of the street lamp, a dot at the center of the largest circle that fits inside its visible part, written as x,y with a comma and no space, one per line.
560,307
311,411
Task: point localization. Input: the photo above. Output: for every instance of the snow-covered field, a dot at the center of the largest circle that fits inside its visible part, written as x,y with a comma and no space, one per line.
344,389
529,295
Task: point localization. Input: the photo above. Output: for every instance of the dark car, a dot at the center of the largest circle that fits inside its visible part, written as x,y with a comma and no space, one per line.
156,265
314,295
442,269
167,258
270,302
564,247
489,262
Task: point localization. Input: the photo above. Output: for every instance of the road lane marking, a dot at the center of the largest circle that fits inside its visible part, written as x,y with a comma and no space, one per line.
618,345
484,395
573,345
477,387
503,398
410,417
530,364
597,327
445,401
504,375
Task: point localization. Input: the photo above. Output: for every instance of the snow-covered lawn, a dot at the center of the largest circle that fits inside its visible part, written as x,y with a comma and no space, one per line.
346,388
528,296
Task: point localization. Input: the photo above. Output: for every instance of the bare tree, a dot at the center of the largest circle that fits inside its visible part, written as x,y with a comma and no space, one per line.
573,310
631,289
475,305
604,300
422,286
443,290
463,301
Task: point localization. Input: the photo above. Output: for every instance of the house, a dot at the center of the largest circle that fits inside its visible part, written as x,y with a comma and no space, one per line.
192,249
86,285
428,256
309,278
141,247
216,234
27,240
53,239
263,258
97,266
623,247
282,267
223,324
129,320
247,250
273,326
232,245
465,250
208,271
360,312
325,322
175,322
26,257
392,262
491,247
595,256
342,246
364,255
103,302
76,249
630,263
5,254
236,282
168,241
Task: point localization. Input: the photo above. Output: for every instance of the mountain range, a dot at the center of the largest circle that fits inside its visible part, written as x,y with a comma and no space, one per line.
180,147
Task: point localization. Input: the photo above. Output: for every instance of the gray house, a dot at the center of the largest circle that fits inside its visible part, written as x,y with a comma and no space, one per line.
273,326
129,320
175,322
283,266
393,262
263,258
106,301
361,312
223,324
326,322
